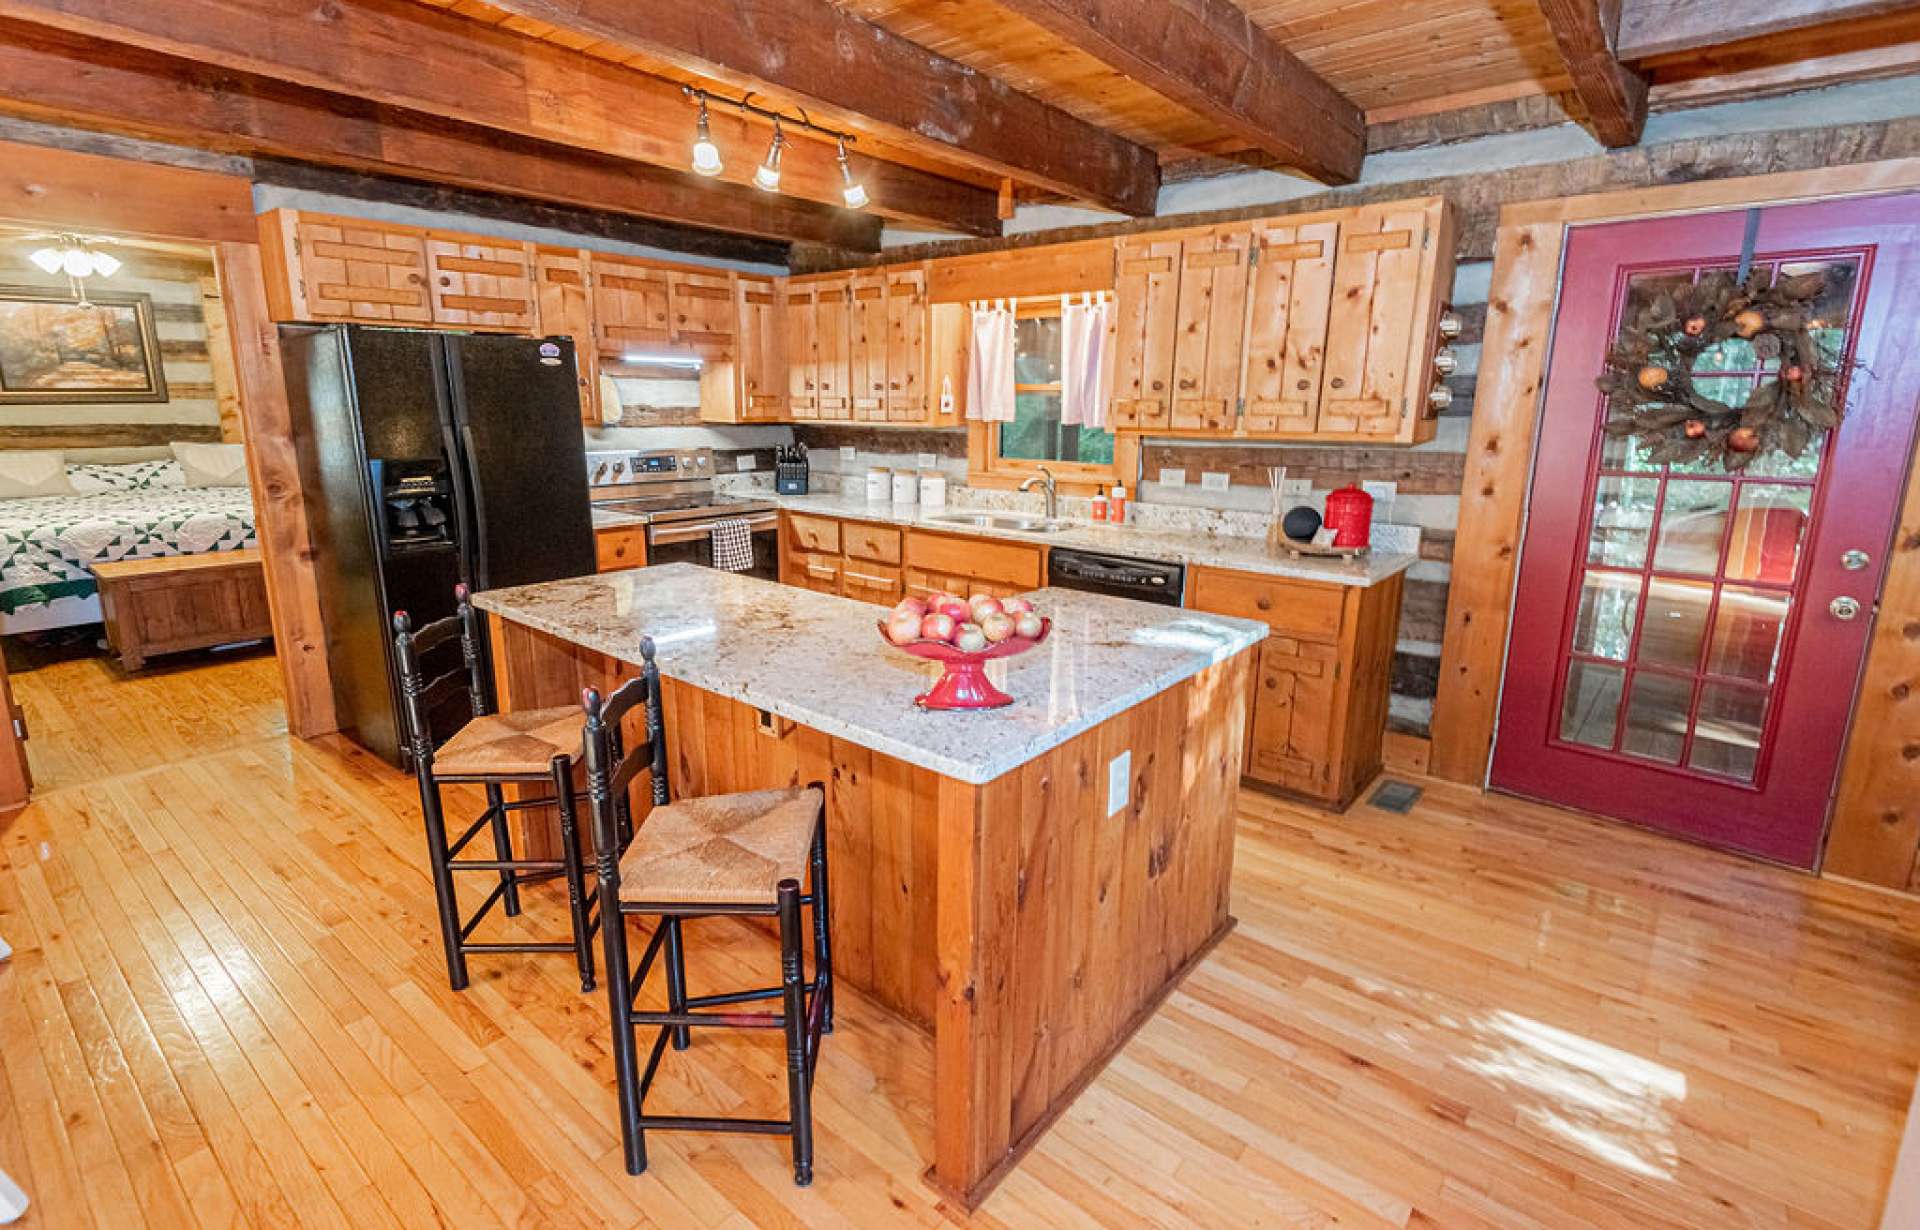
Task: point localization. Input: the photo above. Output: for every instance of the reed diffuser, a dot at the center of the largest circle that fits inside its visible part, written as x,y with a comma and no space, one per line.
1276,536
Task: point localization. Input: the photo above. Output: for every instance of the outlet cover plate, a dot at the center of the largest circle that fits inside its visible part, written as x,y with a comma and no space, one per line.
1382,493
849,454
1172,477
743,462
1215,480
927,461
1296,488
1119,781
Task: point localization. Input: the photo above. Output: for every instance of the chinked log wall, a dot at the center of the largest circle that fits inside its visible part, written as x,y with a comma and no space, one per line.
1430,477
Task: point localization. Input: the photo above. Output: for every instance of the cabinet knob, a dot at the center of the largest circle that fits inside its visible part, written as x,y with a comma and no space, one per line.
1263,603
1337,382
1158,386
446,281
1186,385
1304,385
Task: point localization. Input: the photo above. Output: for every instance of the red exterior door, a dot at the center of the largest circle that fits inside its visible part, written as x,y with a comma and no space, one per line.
1681,655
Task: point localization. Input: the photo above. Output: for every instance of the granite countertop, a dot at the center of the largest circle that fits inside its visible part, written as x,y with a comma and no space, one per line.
1166,546
612,519
819,660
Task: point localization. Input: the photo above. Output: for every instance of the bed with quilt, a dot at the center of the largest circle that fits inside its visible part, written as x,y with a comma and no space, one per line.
51,539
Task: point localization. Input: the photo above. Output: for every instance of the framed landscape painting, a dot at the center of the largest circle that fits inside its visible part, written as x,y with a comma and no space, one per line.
54,349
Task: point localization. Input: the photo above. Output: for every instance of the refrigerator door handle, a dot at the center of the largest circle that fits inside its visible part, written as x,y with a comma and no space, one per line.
482,576
462,493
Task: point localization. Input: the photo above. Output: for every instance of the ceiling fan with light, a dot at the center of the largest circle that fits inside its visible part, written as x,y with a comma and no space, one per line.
76,256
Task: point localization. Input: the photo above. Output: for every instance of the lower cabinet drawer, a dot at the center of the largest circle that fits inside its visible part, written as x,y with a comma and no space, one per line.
815,533
870,582
1297,608
614,549
821,572
1011,565
879,543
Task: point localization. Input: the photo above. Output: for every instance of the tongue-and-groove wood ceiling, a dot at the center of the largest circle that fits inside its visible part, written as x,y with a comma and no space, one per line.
960,105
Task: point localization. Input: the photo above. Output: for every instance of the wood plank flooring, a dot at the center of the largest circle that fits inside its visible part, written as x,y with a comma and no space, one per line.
227,1007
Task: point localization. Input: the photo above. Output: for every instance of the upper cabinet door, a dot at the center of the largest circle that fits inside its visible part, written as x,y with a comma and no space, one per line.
352,271
763,365
832,326
479,283
1146,294
867,347
907,346
1292,288
1387,287
631,306
703,311
1211,330
800,315
560,289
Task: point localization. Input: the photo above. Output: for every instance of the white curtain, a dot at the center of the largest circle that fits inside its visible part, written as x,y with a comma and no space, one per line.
990,364
1086,372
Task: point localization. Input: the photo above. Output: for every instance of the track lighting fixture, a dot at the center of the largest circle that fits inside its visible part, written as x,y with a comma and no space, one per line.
854,192
767,177
706,155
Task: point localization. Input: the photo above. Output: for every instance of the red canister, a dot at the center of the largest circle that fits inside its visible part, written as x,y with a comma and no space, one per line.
1350,516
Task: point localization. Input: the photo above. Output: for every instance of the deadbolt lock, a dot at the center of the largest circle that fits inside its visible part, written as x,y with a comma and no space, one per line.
1855,560
1844,608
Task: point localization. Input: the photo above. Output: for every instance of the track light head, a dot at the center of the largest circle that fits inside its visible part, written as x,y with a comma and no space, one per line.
852,191
767,177
706,155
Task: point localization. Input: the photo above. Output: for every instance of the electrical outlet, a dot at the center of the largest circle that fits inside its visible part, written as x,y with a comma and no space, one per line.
927,461
1173,478
1382,493
1296,488
743,462
849,454
1119,781
1215,480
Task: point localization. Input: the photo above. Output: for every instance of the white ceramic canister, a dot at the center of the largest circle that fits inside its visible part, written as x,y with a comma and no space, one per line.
906,487
933,489
879,484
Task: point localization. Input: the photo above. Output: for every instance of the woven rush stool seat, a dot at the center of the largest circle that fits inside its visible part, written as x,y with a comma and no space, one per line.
522,743
722,849
739,855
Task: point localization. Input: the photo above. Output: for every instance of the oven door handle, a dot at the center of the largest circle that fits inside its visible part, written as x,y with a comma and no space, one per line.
665,535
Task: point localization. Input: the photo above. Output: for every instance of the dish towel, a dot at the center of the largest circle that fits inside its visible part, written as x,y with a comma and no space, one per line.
990,365
732,545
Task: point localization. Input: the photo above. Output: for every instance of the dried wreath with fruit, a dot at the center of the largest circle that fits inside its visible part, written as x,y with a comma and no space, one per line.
1652,390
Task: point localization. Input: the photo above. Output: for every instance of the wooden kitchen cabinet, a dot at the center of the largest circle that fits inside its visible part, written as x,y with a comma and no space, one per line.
867,347
883,563
321,268
704,312
480,283
799,304
908,327
1146,311
763,357
1291,292
1318,713
966,565
833,348
560,282
1391,278
632,306
619,546
1210,330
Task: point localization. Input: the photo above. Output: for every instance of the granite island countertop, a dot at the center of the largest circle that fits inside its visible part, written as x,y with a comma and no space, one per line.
819,660
1165,546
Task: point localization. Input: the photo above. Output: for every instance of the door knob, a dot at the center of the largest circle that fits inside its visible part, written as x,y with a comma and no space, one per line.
1844,608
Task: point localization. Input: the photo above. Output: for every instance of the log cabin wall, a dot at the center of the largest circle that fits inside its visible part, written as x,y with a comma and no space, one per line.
1480,160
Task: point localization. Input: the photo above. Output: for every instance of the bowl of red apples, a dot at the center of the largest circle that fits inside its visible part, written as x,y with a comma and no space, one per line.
964,634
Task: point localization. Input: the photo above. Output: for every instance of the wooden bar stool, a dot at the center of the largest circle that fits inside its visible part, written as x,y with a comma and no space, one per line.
535,747
730,854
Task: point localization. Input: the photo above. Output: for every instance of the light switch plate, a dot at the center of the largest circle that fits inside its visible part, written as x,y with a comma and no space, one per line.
743,462
1215,480
1296,488
1170,477
849,454
1382,493
1119,781
927,461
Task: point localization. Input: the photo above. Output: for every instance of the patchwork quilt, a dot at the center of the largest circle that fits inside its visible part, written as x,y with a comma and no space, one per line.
48,545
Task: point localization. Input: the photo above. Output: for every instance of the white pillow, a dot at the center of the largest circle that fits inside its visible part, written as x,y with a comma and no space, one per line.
213,465
135,476
33,473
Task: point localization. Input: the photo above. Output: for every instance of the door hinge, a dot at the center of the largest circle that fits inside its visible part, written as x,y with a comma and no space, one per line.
1426,240
1253,256
19,727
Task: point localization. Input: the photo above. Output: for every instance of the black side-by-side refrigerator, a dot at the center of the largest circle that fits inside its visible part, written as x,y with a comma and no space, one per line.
440,458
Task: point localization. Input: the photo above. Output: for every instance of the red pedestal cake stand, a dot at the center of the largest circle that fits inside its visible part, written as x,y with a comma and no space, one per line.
963,684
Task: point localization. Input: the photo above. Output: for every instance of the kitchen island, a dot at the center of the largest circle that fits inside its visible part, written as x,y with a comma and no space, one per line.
1026,883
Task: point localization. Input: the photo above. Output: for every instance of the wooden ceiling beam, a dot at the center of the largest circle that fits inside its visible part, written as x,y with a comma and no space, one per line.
1214,60
1614,94
68,79
1662,27
408,56
849,71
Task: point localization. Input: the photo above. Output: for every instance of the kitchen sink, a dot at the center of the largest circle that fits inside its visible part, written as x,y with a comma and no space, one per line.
1019,522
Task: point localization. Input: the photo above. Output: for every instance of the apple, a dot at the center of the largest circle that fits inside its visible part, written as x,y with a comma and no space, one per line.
953,609
997,626
1015,607
903,628
1027,625
910,606
938,626
970,639
984,604
933,600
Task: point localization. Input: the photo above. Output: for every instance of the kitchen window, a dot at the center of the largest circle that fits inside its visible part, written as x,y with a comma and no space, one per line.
1003,454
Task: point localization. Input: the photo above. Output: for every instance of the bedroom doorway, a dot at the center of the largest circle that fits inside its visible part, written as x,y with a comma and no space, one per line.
133,613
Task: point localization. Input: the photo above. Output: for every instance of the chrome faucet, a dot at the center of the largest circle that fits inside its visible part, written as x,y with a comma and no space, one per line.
1053,495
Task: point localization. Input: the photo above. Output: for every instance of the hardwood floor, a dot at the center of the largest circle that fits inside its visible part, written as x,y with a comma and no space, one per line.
227,1006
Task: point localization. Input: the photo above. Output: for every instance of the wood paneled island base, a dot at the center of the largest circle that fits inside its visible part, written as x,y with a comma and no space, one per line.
1030,930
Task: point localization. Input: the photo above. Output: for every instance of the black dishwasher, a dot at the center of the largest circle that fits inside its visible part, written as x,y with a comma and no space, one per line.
1117,576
